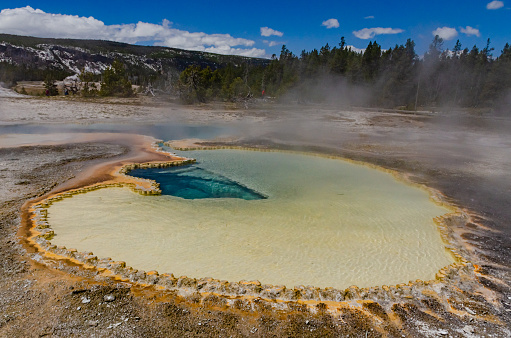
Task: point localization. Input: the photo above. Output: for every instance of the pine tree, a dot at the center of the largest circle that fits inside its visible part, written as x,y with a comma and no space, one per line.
50,86
89,88
115,82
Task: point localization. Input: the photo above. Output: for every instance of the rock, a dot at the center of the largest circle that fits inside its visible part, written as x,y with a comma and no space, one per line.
443,332
113,326
470,311
468,329
85,300
93,323
109,298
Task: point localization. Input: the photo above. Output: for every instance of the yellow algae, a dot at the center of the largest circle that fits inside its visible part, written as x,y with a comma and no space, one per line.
325,223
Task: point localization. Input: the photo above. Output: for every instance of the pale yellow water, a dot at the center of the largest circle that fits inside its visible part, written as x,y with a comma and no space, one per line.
326,222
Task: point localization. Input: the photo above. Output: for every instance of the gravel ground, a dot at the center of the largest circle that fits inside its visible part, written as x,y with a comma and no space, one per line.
466,157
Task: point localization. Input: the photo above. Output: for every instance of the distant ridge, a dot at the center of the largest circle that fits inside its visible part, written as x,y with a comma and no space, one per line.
32,58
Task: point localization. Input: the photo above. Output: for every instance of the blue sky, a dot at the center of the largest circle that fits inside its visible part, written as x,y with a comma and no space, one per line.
237,27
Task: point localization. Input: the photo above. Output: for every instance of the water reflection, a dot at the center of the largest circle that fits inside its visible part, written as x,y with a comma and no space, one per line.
165,131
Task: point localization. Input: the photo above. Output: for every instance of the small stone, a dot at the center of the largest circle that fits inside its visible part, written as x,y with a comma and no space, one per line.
85,300
470,311
79,308
443,332
93,323
468,329
109,298
113,326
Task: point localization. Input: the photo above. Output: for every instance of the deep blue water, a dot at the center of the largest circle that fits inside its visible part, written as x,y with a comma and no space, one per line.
193,182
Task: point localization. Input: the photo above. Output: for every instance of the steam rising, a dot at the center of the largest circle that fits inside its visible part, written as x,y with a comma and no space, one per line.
329,89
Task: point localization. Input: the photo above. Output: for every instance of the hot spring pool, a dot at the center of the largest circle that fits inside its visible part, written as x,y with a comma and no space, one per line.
317,221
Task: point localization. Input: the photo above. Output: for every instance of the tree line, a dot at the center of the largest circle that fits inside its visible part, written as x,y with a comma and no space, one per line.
396,77
393,78
114,82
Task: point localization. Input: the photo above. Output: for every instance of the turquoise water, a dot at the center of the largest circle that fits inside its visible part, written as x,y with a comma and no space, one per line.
194,182
325,222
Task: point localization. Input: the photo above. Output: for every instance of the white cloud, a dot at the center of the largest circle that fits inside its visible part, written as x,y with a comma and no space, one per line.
495,5
253,52
266,31
470,31
272,43
446,33
35,22
330,23
369,17
369,33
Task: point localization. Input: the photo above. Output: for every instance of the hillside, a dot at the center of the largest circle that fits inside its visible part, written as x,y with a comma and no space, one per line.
30,58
